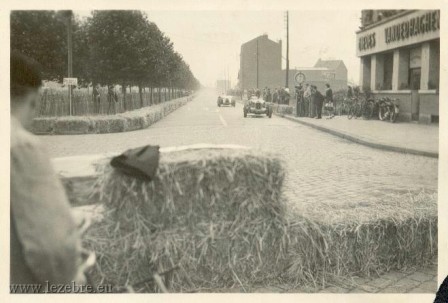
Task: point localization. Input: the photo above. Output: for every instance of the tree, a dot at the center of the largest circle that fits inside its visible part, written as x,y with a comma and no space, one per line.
41,35
110,47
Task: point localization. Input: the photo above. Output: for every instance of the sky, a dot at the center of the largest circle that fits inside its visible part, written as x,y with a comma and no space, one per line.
210,41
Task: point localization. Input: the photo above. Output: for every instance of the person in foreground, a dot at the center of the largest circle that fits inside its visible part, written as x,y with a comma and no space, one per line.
45,246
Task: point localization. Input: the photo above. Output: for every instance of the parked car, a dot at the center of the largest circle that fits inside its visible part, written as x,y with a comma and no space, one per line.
257,106
226,100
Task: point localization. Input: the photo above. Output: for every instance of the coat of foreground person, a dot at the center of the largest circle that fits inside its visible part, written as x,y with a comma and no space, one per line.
45,245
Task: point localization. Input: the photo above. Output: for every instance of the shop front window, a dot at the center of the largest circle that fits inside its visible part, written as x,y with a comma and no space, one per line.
388,69
415,63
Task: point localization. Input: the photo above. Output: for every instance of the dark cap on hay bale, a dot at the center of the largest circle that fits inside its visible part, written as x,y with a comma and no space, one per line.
217,213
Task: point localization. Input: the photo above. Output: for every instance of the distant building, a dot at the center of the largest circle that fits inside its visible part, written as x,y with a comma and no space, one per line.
333,72
260,63
222,86
400,58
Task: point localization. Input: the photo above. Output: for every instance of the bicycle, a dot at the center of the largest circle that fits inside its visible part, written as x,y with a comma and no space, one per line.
365,108
387,109
344,107
354,109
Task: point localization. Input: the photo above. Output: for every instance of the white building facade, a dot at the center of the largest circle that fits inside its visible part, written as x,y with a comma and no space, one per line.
400,58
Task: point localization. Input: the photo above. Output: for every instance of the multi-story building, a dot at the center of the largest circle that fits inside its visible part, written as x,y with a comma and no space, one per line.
400,58
260,63
261,66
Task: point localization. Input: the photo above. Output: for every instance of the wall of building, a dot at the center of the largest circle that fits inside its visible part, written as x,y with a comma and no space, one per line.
429,107
269,63
319,77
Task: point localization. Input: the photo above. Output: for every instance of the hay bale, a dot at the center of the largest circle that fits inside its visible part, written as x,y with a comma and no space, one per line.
330,242
43,125
133,122
117,124
73,125
284,109
216,213
102,124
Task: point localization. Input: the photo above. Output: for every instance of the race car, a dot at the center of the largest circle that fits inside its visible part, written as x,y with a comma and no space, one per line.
257,106
226,100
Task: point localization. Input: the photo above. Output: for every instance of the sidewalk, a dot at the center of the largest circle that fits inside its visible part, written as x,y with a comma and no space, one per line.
411,138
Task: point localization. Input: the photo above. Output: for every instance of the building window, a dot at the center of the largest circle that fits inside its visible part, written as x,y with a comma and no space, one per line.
388,69
415,64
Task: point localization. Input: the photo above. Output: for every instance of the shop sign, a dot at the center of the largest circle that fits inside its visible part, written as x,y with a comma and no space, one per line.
413,28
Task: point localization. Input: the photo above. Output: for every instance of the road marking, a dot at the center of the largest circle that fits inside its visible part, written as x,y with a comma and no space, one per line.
223,121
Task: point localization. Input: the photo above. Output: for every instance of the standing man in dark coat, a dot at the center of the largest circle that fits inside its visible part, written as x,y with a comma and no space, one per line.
269,96
329,96
275,96
96,99
112,98
299,101
312,101
318,102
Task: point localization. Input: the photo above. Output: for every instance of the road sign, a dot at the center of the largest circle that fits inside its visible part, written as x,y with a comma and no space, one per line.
300,78
70,81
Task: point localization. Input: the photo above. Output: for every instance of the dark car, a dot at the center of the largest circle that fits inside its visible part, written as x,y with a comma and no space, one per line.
257,106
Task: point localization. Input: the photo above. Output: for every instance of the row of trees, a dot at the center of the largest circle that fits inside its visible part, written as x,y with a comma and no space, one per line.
109,47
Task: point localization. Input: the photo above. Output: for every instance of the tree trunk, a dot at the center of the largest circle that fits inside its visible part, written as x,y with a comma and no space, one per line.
123,89
141,95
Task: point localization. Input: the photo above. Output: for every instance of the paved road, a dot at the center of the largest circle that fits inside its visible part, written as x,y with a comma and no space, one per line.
320,167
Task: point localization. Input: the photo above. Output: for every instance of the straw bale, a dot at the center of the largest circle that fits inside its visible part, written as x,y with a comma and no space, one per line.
117,124
43,125
73,125
330,242
218,214
284,109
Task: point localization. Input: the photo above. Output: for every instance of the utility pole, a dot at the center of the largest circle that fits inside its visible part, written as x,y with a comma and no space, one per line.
287,50
70,56
257,63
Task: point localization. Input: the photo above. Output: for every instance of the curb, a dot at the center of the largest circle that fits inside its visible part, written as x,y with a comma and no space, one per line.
364,142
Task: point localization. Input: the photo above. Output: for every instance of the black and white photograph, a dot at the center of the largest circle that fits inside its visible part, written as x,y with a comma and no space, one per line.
281,150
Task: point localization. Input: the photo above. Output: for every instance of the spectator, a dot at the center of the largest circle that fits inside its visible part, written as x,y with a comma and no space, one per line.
44,242
299,101
349,92
318,102
112,99
268,95
96,99
287,96
313,102
329,96
307,98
